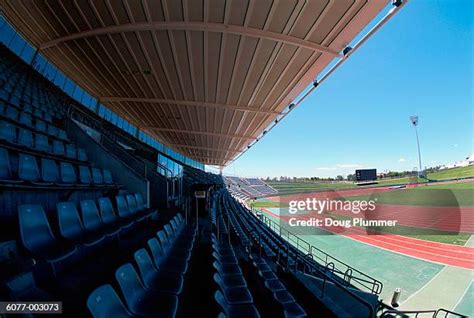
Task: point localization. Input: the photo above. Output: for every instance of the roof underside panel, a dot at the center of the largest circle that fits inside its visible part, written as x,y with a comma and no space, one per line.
203,77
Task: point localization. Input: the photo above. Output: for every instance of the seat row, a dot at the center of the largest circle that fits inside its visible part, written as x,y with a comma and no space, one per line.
153,289
39,127
25,115
40,142
80,234
28,171
233,295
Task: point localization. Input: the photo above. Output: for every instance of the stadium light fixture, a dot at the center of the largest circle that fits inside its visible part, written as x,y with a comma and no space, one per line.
414,121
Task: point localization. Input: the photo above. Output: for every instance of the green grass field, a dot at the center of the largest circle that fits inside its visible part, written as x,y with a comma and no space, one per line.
448,194
460,172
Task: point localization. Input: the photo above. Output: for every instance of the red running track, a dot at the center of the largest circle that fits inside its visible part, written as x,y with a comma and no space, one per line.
446,254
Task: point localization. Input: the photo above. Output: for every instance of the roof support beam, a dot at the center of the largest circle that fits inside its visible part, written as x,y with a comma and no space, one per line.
206,148
187,103
192,132
194,26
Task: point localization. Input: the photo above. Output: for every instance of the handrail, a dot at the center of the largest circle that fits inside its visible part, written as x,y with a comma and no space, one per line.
368,283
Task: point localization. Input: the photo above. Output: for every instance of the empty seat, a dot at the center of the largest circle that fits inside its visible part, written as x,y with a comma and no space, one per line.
141,301
122,207
71,227
25,119
97,176
71,151
172,250
25,138
236,311
140,204
7,131
40,125
52,130
104,302
81,154
68,175
42,143
84,175
5,168
47,117
37,237
108,215
49,171
92,221
154,279
28,168
38,113
11,113
108,177
58,148
62,134
164,263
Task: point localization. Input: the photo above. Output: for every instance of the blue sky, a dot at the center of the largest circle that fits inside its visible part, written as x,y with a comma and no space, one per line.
419,63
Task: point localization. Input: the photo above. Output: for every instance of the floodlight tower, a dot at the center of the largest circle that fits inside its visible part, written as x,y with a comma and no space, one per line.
414,121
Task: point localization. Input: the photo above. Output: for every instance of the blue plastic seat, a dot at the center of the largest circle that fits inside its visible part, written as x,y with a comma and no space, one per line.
157,280
122,207
7,131
47,117
92,221
68,175
108,214
132,206
84,175
11,113
49,171
37,237
104,302
71,227
52,130
25,138
58,148
42,143
140,203
108,177
62,134
141,301
236,311
171,250
40,125
5,168
38,113
81,154
25,119
71,151
163,262
97,177
233,295
28,168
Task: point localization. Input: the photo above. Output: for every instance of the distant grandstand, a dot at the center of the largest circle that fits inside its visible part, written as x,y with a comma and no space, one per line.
247,188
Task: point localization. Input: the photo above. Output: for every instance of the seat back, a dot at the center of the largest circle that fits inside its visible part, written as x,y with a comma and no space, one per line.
52,130
25,118
169,232
156,251
122,207
25,138
107,211
84,175
28,168
49,170
90,215
62,134
7,131
140,203
68,175
12,113
104,302
40,125
145,264
70,224
164,242
108,177
132,204
97,176
130,284
34,227
58,148
71,151
81,154
5,171
41,142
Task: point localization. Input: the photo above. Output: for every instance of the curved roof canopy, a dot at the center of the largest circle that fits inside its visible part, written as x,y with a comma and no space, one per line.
205,77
